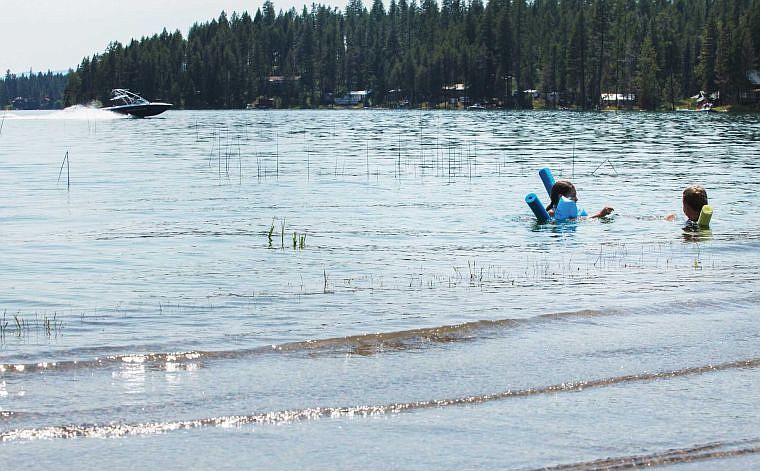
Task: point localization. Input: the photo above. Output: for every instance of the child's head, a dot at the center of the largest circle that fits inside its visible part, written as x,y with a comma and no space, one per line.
694,197
562,188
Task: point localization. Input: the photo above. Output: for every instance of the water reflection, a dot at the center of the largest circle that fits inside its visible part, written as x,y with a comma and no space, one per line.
555,227
692,234
176,372
131,376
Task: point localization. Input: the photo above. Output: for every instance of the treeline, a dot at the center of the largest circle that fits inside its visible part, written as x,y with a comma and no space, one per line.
572,51
40,91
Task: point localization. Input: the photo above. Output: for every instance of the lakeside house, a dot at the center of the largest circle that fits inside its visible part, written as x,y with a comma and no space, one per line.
618,99
278,84
353,98
397,98
455,93
282,79
751,95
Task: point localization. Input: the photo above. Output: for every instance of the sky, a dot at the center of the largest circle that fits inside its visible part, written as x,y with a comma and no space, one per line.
56,34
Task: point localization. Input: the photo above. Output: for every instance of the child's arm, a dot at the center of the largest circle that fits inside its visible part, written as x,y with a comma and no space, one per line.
670,217
606,211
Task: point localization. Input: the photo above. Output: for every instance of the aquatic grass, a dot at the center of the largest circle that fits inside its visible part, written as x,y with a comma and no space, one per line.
617,263
299,241
258,167
3,326
213,149
424,151
49,326
282,234
270,233
240,164
20,325
219,155
326,288
474,275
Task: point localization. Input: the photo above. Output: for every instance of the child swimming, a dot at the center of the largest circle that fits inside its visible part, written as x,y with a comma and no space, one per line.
694,198
567,189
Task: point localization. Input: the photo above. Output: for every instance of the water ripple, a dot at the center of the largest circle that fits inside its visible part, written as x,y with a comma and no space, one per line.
116,430
708,451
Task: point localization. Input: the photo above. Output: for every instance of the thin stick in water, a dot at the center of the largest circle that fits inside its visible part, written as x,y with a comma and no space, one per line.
68,173
573,171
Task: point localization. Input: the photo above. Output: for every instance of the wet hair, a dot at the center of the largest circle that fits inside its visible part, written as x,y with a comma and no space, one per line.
695,197
561,188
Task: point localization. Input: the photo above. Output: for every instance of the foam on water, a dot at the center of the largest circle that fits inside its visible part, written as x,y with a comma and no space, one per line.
76,112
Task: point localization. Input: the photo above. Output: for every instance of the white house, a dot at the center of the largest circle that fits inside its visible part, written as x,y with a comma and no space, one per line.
353,98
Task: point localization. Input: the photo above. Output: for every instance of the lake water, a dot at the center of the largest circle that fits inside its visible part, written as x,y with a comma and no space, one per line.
346,289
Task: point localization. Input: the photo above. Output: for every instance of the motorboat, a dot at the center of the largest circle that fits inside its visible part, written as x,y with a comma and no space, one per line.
126,102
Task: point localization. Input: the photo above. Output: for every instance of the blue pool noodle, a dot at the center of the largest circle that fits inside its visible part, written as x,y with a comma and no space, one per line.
537,207
548,179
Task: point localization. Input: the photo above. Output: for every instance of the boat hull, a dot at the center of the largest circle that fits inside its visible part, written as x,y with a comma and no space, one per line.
140,110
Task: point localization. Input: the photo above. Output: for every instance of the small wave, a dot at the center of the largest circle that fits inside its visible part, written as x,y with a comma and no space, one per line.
116,430
363,345
708,451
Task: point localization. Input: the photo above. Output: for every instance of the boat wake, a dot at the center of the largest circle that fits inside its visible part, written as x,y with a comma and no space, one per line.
76,112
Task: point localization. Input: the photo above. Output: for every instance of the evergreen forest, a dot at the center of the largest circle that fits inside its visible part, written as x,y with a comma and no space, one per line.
40,91
651,53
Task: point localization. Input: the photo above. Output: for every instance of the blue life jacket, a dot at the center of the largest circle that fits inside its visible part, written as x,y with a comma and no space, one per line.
568,209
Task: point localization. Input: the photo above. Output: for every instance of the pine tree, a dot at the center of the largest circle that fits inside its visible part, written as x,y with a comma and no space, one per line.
705,70
576,60
646,77
724,73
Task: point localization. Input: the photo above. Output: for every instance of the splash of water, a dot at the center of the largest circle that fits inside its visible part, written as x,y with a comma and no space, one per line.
76,112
